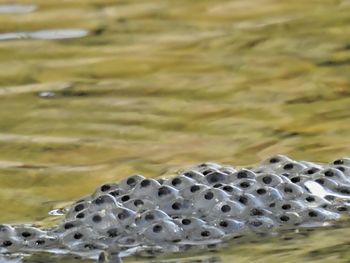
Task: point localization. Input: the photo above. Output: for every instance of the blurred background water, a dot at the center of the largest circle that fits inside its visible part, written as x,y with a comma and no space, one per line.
94,90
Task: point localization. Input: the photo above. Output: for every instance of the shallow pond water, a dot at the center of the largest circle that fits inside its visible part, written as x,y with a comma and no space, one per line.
16,8
45,34
160,85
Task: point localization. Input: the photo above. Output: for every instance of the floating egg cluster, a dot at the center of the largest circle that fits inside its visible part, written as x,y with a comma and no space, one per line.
202,205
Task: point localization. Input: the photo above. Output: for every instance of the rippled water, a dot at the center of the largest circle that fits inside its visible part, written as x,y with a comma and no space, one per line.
16,8
45,34
160,85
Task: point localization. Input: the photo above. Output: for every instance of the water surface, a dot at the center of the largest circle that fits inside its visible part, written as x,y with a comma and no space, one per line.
161,85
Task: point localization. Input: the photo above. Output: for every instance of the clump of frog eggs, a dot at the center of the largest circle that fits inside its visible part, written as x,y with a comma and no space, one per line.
202,205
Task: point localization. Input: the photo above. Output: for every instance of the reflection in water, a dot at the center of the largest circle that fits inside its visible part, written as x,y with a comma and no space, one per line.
46,34
46,94
8,260
17,8
290,246
58,33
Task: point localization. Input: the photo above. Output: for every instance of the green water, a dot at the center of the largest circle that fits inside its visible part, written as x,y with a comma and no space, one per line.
159,85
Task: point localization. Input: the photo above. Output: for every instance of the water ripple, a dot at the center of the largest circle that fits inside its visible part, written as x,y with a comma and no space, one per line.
46,34
16,8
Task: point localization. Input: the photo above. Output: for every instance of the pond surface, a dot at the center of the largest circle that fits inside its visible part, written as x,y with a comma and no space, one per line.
160,85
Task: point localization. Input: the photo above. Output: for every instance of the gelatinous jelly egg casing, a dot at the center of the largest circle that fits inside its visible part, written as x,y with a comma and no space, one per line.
204,204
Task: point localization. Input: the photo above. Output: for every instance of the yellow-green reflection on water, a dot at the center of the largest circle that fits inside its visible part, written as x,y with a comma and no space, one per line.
159,85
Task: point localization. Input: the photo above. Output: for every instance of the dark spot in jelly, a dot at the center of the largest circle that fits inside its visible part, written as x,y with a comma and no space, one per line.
78,235
340,168
145,183
284,218
26,234
215,177
149,217
267,180
3,228
115,193
288,166
223,224
338,162
256,223
209,196
124,215
295,179
163,191
80,215
225,208
320,181
313,214
329,173
206,172
244,184
176,206
205,233
288,190
274,160
105,187
310,199
125,198
194,188
99,201
228,188
261,191
90,246
186,221
176,181
40,242
330,197
113,232
131,181
79,207
68,226
344,191
243,199
312,170
130,241
189,175
286,207
161,180
138,203
157,228
242,175
7,243
342,209
256,212
97,218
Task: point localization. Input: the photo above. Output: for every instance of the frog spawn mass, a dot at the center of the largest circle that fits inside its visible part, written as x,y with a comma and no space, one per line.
202,205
